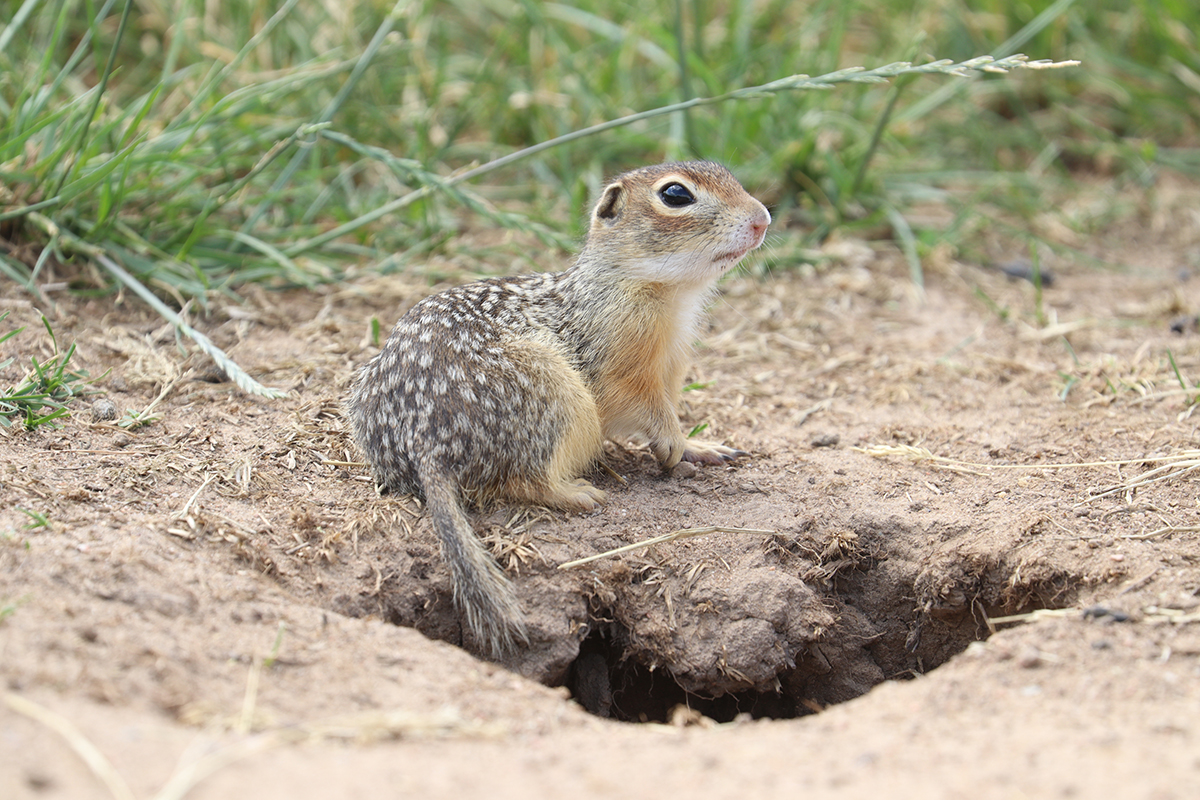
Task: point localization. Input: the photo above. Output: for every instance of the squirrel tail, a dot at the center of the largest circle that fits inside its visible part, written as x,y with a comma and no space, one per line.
481,590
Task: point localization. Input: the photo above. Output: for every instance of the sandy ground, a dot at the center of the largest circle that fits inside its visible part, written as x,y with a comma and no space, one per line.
977,571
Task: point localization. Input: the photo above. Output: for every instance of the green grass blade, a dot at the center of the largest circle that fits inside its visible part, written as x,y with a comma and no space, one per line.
908,245
329,111
16,23
80,145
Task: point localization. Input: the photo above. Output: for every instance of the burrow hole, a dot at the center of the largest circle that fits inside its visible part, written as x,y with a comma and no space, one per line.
908,642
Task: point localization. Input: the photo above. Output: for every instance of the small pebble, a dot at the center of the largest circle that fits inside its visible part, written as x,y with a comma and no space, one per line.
104,410
1021,269
1029,658
684,469
825,440
1100,612
122,439
1186,324
212,374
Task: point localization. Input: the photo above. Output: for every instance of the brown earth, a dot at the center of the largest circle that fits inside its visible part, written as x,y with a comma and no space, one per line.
211,604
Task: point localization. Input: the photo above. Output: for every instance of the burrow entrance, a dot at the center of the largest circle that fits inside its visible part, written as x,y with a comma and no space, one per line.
773,627
883,611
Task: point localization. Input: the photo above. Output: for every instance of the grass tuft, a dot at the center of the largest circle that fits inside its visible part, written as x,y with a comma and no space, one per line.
41,397
1191,391
37,519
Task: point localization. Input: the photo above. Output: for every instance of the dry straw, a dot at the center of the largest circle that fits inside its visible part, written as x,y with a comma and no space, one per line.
685,533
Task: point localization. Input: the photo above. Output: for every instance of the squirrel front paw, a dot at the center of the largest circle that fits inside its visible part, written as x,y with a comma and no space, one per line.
671,453
710,453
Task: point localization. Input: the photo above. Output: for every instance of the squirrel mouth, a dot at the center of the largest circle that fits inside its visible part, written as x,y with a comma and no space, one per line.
731,257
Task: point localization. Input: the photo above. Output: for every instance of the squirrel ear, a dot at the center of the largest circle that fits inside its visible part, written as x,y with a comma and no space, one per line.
611,203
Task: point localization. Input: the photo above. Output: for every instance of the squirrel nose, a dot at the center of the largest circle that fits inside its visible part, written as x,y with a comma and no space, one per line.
759,224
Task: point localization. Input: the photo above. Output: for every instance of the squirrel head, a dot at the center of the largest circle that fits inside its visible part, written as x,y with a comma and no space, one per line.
681,223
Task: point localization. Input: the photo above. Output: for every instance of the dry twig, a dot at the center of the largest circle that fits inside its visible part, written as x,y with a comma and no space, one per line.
685,533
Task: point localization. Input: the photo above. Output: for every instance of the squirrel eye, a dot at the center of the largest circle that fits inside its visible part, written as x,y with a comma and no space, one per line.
676,195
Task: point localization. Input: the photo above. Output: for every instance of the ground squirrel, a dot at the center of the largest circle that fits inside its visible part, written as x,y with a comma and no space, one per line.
505,389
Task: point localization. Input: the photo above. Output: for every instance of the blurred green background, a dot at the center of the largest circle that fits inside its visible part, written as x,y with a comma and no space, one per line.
203,145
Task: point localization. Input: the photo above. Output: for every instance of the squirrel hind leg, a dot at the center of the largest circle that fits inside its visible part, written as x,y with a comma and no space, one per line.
579,442
558,488
578,448
578,495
